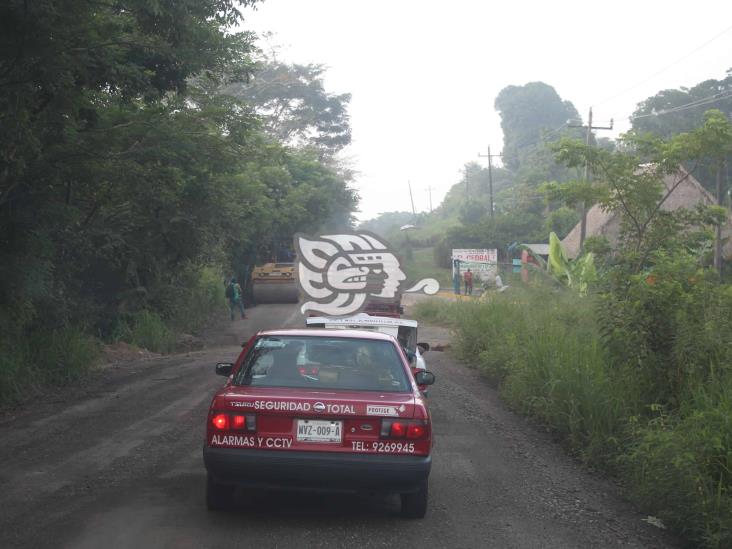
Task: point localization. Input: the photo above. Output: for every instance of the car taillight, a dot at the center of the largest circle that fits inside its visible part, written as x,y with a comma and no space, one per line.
221,422
412,429
415,430
234,422
398,430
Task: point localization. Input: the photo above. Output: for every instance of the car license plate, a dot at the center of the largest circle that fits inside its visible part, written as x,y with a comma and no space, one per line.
314,430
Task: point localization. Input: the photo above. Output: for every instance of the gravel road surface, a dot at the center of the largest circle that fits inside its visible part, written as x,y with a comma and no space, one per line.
117,463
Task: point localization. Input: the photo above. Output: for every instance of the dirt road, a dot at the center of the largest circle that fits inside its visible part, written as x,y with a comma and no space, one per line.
118,463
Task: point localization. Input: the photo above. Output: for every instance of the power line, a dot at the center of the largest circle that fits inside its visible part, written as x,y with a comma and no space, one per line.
690,105
664,69
558,129
555,130
696,103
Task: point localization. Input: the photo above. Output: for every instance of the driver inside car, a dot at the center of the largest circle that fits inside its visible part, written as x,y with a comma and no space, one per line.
284,366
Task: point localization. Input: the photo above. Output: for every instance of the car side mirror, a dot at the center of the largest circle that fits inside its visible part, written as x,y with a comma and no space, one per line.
224,369
425,377
423,347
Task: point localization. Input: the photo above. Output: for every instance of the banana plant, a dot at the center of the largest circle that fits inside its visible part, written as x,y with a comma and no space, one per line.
577,274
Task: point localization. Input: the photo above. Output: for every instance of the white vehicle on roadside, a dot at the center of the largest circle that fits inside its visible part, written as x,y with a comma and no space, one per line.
403,329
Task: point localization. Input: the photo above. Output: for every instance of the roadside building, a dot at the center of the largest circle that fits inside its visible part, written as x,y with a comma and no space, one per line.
687,194
528,253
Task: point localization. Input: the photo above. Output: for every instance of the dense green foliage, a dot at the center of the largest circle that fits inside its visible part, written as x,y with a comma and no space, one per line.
130,181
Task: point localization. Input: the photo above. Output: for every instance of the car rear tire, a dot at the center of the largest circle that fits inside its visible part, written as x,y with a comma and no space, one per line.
414,505
219,497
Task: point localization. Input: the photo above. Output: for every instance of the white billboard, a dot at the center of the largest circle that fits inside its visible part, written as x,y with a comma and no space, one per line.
482,262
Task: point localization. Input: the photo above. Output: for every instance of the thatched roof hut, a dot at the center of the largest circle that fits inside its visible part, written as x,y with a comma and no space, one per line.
687,194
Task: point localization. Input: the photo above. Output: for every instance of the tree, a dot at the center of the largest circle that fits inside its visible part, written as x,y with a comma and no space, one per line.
713,142
527,113
674,111
294,105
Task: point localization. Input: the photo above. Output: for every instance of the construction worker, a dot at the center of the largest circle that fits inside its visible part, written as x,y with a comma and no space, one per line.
236,300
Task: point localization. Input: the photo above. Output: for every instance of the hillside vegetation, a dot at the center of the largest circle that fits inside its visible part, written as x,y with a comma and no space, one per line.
625,353
534,120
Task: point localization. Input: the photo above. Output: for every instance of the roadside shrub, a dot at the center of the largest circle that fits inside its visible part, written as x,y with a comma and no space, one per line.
665,327
147,330
56,357
192,303
679,466
62,356
15,373
198,299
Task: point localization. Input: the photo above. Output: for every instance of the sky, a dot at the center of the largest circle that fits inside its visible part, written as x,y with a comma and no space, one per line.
424,74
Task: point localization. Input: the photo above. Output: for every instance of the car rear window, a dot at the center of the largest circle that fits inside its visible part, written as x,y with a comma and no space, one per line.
324,363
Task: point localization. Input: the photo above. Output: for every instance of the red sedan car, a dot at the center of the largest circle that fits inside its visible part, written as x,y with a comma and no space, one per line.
326,410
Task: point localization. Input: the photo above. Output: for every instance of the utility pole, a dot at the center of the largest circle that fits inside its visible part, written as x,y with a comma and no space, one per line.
414,212
429,190
489,156
588,140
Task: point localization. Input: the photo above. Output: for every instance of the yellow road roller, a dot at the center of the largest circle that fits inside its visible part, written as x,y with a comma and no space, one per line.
275,283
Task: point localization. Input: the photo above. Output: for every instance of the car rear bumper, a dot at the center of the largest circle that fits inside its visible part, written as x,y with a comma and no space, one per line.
317,471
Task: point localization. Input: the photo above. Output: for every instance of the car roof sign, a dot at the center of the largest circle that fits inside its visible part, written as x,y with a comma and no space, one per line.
362,320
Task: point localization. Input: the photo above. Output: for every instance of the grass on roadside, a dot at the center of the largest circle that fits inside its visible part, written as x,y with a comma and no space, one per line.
545,351
51,357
